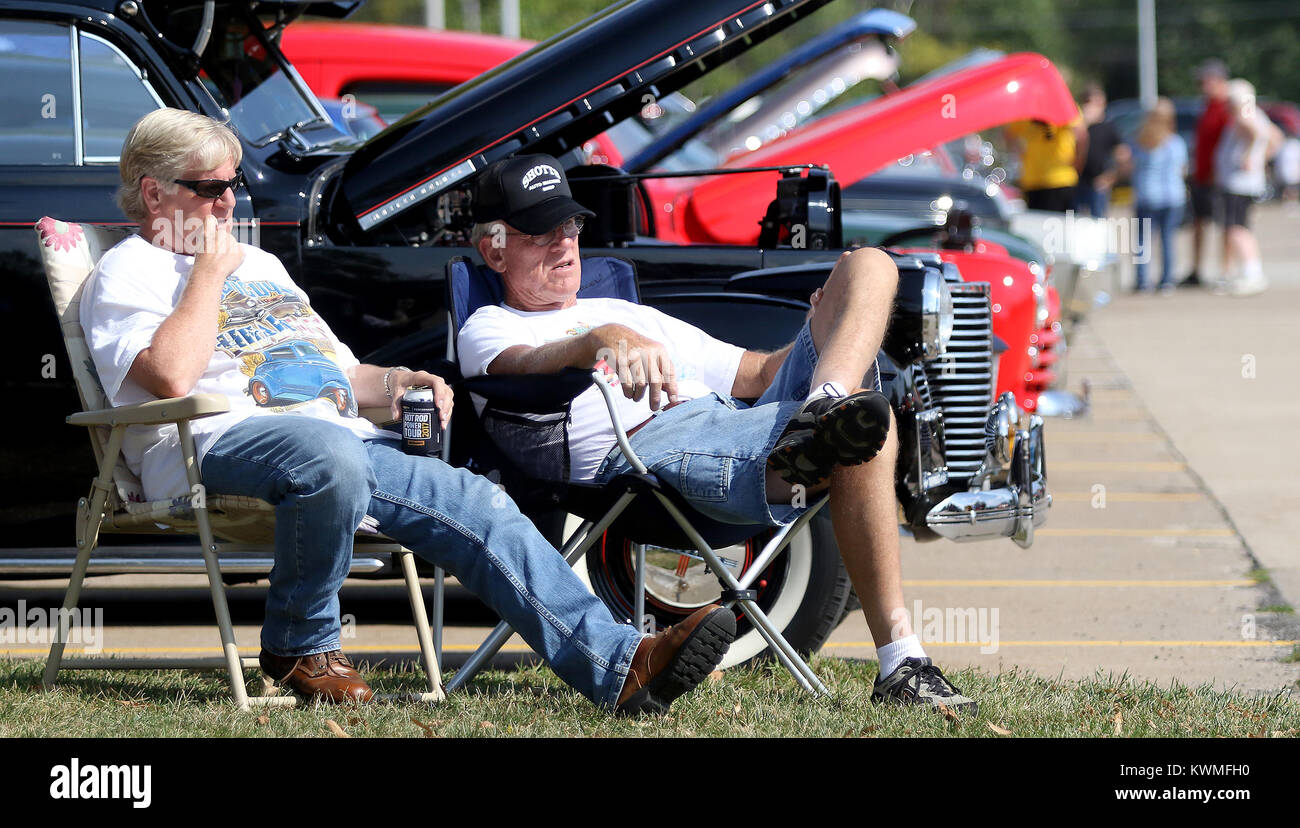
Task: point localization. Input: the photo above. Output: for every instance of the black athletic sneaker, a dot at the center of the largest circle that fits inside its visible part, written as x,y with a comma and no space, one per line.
1193,280
919,681
830,429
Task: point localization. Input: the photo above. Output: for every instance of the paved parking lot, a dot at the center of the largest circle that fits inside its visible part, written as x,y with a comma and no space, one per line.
1170,495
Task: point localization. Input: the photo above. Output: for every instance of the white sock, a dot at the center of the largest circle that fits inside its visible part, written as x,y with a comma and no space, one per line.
1253,269
828,389
892,654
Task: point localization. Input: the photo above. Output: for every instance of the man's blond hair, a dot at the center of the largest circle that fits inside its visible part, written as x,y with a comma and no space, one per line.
163,145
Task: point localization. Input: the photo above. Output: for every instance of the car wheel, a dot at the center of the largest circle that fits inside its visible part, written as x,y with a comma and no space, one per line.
260,393
803,592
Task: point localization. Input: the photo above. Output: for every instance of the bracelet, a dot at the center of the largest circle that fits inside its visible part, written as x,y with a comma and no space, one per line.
388,389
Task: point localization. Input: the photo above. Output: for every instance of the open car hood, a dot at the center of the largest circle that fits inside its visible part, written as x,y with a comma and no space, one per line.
861,139
888,26
553,97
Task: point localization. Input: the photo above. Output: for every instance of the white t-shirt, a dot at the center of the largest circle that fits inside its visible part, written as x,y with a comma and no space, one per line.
703,364
273,353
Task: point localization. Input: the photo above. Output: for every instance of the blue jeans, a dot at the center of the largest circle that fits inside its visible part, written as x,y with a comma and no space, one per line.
323,480
1165,220
713,450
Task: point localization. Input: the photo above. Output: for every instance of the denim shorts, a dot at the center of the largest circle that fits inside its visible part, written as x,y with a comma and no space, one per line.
713,450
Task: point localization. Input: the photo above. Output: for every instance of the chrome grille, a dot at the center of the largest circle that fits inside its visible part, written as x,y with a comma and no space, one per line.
961,381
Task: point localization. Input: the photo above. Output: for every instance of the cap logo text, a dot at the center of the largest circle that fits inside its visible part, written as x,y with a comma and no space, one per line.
530,182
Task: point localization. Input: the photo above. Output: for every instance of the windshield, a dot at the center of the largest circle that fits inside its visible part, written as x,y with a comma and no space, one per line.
631,135
249,78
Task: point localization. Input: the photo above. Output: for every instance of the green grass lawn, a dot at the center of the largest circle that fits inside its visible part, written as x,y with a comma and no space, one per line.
755,701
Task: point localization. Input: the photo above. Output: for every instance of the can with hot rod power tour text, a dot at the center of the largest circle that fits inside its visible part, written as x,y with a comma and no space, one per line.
421,422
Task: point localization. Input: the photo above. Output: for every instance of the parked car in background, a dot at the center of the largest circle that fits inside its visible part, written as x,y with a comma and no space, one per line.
366,230
393,68
354,117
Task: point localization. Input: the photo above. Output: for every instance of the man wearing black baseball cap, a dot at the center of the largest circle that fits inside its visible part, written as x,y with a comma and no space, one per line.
529,192
812,428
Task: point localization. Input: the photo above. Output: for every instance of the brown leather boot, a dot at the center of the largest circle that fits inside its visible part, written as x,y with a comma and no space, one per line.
674,661
327,676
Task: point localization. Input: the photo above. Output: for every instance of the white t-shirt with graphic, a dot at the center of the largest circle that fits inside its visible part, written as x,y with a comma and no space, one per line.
703,364
273,353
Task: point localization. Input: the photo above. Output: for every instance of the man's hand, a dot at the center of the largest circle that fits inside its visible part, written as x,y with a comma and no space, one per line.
220,254
639,363
183,344
442,394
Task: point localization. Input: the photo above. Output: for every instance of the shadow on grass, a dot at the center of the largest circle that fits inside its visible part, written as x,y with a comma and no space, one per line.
168,686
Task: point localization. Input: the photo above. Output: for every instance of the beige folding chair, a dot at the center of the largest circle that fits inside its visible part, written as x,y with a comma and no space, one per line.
116,500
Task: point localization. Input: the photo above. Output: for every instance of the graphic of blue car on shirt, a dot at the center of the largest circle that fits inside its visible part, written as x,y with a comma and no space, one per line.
296,371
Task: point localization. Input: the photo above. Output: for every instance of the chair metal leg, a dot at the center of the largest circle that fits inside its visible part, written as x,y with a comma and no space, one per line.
574,548
438,611
780,647
88,524
70,599
638,588
210,562
786,654
421,618
778,542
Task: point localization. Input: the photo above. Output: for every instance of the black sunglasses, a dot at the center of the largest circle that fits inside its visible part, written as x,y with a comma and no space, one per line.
212,187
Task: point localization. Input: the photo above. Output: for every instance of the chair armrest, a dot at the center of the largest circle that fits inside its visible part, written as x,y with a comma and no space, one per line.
380,415
155,412
533,393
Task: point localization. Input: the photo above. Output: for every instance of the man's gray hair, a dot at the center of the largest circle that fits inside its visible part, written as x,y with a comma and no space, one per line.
484,229
163,145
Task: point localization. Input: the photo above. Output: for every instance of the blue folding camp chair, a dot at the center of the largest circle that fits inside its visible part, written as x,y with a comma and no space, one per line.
524,439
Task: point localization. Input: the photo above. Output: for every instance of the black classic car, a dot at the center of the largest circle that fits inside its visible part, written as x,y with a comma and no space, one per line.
367,229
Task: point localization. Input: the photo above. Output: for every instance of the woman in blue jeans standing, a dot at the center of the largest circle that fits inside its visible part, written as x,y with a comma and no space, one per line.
1159,162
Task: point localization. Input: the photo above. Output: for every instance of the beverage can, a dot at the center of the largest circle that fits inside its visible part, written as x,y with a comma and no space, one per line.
421,422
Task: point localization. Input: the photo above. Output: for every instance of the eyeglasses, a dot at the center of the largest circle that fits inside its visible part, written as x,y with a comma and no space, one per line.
570,229
212,187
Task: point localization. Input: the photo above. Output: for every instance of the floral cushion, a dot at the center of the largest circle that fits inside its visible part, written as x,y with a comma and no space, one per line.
69,252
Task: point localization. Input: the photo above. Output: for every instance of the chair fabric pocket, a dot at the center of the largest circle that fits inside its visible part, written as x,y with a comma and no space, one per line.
537,444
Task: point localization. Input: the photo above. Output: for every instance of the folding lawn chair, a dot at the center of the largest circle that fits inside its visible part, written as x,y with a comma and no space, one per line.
116,501
524,423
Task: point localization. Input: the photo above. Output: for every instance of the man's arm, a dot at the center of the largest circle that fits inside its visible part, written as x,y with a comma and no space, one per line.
183,344
639,362
368,386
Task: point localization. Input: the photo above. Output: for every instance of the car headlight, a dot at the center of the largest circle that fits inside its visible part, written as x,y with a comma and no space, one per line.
937,315
1000,429
1042,310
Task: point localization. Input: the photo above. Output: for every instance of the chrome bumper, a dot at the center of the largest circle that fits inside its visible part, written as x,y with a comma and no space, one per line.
1011,510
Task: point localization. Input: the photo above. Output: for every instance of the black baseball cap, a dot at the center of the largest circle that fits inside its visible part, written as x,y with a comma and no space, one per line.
528,192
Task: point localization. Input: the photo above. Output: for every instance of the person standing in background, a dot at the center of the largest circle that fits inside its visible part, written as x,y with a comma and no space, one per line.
1213,75
1286,167
1239,161
1106,153
1050,159
1159,163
